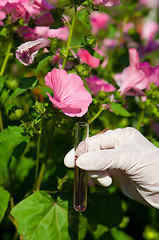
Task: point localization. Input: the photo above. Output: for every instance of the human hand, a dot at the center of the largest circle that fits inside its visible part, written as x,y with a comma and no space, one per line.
125,157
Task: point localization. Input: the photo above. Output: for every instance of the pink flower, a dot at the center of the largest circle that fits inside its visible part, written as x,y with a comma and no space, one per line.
128,26
137,76
70,94
37,6
110,3
18,12
61,33
107,3
98,21
87,58
25,9
148,33
150,3
2,16
43,32
27,51
149,30
45,20
96,84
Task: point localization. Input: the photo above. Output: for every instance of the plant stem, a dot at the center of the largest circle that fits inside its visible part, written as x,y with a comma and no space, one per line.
69,40
13,221
6,58
37,158
40,177
96,115
1,122
43,166
11,187
140,119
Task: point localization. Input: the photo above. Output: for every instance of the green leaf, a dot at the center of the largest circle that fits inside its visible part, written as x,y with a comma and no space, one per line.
97,55
39,217
119,110
4,199
83,17
10,139
43,62
120,235
26,83
1,83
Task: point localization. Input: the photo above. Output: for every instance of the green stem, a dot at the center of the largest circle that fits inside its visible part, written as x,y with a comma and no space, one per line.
1,122
11,187
37,158
43,166
40,177
140,119
96,115
79,46
69,40
6,59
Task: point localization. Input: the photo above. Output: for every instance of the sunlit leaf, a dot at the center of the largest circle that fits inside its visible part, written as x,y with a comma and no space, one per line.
4,199
40,217
43,62
119,110
10,138
26,83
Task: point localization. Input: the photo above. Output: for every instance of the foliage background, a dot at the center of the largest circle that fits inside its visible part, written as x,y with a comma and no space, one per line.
36,188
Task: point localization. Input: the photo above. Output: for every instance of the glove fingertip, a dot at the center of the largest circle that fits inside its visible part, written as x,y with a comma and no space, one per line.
69,159
105,181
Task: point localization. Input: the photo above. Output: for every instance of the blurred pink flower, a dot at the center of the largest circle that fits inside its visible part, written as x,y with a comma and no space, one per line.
45,20
18,12
27,51
107,3
96,84
25,9
61,33
70,94
87,58
149,30
150,3
128,26
2,16
28,33
98,21
37,6
137,76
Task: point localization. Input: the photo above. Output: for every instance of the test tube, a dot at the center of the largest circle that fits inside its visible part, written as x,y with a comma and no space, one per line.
80,176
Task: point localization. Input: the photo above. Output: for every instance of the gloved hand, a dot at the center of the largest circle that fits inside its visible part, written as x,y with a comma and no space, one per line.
125,157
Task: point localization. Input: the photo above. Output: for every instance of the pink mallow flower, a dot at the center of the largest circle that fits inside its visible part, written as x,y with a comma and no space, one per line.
137,76
25,9
96,84
107,3
27,51
70,94
98,20
87,58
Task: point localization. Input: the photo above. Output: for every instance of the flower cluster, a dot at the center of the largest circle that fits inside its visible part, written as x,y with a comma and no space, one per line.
134,79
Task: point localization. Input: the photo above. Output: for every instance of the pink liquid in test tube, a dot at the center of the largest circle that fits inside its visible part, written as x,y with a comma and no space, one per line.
80,176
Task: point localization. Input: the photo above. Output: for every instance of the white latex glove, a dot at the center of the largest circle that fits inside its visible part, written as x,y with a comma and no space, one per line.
124,156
